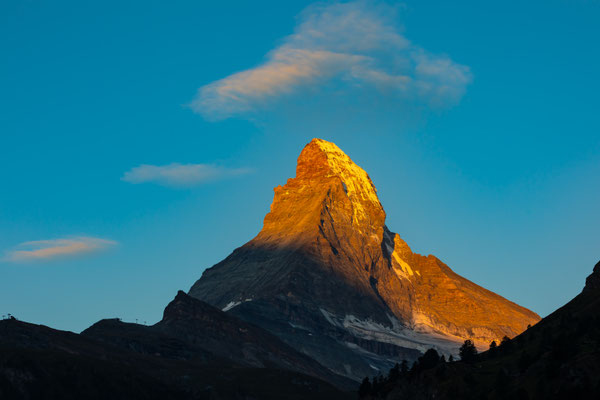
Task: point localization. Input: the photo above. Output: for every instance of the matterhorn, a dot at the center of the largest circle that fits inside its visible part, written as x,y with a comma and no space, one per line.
328,277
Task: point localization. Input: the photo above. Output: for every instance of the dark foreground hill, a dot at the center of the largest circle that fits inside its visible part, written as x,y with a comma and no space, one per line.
195,352
558,358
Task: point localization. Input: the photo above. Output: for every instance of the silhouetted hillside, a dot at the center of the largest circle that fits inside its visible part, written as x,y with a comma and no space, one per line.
558,358
195,352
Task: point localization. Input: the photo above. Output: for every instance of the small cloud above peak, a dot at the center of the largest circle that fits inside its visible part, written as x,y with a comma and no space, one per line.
180,175
44,250
350,44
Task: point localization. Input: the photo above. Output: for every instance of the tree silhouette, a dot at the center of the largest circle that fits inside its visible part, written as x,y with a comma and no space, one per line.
467,351
506,344
404,367
377,384
493,349
394,373
365,387
429,360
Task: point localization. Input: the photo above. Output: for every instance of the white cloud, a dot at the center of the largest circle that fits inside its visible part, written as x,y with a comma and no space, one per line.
41,250
357,43
180,175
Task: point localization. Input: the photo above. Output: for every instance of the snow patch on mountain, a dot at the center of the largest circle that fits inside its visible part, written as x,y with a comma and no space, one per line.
420,337
233,304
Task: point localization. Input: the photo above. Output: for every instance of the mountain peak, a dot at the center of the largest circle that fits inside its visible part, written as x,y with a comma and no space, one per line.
323,159
327,182
325,261
328,188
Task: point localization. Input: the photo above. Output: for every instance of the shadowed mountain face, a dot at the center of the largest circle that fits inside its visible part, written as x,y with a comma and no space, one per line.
327,276
195,352
559,358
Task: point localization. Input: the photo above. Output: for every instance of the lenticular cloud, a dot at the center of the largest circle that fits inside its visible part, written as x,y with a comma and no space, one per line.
41,250
357,44
180,175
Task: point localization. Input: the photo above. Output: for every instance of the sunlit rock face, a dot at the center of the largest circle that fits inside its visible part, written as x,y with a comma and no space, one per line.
327,276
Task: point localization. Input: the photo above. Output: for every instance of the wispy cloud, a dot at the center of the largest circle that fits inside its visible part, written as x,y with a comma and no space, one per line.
180,175
41,250
351,44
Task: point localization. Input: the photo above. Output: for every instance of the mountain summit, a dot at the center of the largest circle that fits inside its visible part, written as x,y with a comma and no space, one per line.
327,276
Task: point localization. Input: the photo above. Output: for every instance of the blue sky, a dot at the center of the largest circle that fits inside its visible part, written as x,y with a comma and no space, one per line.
141,141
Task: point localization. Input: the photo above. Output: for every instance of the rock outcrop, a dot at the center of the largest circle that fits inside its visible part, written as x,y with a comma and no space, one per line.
327,276
592,282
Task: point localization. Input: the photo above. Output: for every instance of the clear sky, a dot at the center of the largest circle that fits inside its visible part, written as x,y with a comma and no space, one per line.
141,140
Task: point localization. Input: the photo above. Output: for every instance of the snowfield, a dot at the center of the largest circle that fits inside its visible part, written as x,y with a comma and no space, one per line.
422,338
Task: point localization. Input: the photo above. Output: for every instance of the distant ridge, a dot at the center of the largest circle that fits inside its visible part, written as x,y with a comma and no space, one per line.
195,352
